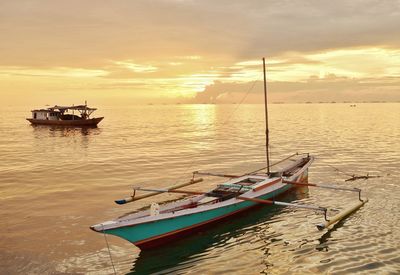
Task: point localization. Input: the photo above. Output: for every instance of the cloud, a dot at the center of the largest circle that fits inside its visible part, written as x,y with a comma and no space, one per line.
179,48
314,89
62,33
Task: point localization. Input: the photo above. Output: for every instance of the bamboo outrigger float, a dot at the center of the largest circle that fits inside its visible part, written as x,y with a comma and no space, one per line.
153,226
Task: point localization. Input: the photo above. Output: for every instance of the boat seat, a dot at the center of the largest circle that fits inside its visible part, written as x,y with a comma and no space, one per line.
235,187
275,174
223,195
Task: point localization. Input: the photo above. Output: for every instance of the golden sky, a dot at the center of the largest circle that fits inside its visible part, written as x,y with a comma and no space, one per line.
165,51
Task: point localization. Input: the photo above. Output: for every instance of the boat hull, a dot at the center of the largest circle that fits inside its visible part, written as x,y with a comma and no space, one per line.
74,123
152,234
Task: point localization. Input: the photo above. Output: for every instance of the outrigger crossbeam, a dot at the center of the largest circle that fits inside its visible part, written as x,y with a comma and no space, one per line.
210,194
214,174
334,187
341,215
326,186
135,198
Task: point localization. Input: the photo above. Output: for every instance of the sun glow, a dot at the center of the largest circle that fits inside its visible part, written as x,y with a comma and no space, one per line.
351,63
183,77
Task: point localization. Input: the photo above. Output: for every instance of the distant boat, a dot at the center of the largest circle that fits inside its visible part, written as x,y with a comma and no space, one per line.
62,116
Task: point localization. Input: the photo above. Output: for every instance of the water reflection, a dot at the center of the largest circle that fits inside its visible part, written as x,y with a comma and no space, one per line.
191,250
203,114
78,172
61,131
64,140
201,121
323,241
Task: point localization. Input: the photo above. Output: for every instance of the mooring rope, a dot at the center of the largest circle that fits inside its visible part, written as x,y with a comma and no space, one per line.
276,163
108,247
355,176
340,171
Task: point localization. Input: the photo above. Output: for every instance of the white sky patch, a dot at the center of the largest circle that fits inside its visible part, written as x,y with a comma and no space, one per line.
189,57
248,63
137,68
197,82
246,75
52,72
376,62
175,63
185,84
258,62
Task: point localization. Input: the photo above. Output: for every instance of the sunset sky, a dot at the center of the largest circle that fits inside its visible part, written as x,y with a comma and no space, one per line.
168,51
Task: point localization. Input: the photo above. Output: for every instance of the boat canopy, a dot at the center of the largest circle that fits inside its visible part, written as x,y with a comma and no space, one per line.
77,107
62,109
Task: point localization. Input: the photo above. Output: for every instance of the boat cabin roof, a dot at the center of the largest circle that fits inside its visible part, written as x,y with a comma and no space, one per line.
42,111
64,108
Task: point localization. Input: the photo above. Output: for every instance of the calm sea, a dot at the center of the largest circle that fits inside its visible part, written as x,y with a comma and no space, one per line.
55,183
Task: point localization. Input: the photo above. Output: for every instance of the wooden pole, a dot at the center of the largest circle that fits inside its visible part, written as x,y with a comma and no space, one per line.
135,198
323,186
215,174
266,116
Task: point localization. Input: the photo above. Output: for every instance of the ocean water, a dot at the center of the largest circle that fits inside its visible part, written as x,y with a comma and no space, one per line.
56,182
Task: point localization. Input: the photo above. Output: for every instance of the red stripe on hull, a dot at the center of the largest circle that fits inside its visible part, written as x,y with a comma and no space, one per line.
84,122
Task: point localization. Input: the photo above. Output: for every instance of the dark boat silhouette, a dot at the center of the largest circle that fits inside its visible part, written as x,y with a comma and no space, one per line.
58,115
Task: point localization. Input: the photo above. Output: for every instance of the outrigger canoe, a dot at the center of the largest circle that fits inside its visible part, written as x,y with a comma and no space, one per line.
159,224
153,226
148,228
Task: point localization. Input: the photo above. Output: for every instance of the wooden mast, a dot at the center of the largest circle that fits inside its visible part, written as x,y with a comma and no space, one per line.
266,117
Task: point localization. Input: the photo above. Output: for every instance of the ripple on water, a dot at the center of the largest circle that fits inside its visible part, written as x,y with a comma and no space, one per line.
56,183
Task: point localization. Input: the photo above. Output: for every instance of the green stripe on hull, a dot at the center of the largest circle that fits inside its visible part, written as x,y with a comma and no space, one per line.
148,230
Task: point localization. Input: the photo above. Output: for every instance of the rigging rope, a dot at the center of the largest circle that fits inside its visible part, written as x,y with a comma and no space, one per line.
231,114
241,101
354,176
108,247
282,160
340,171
